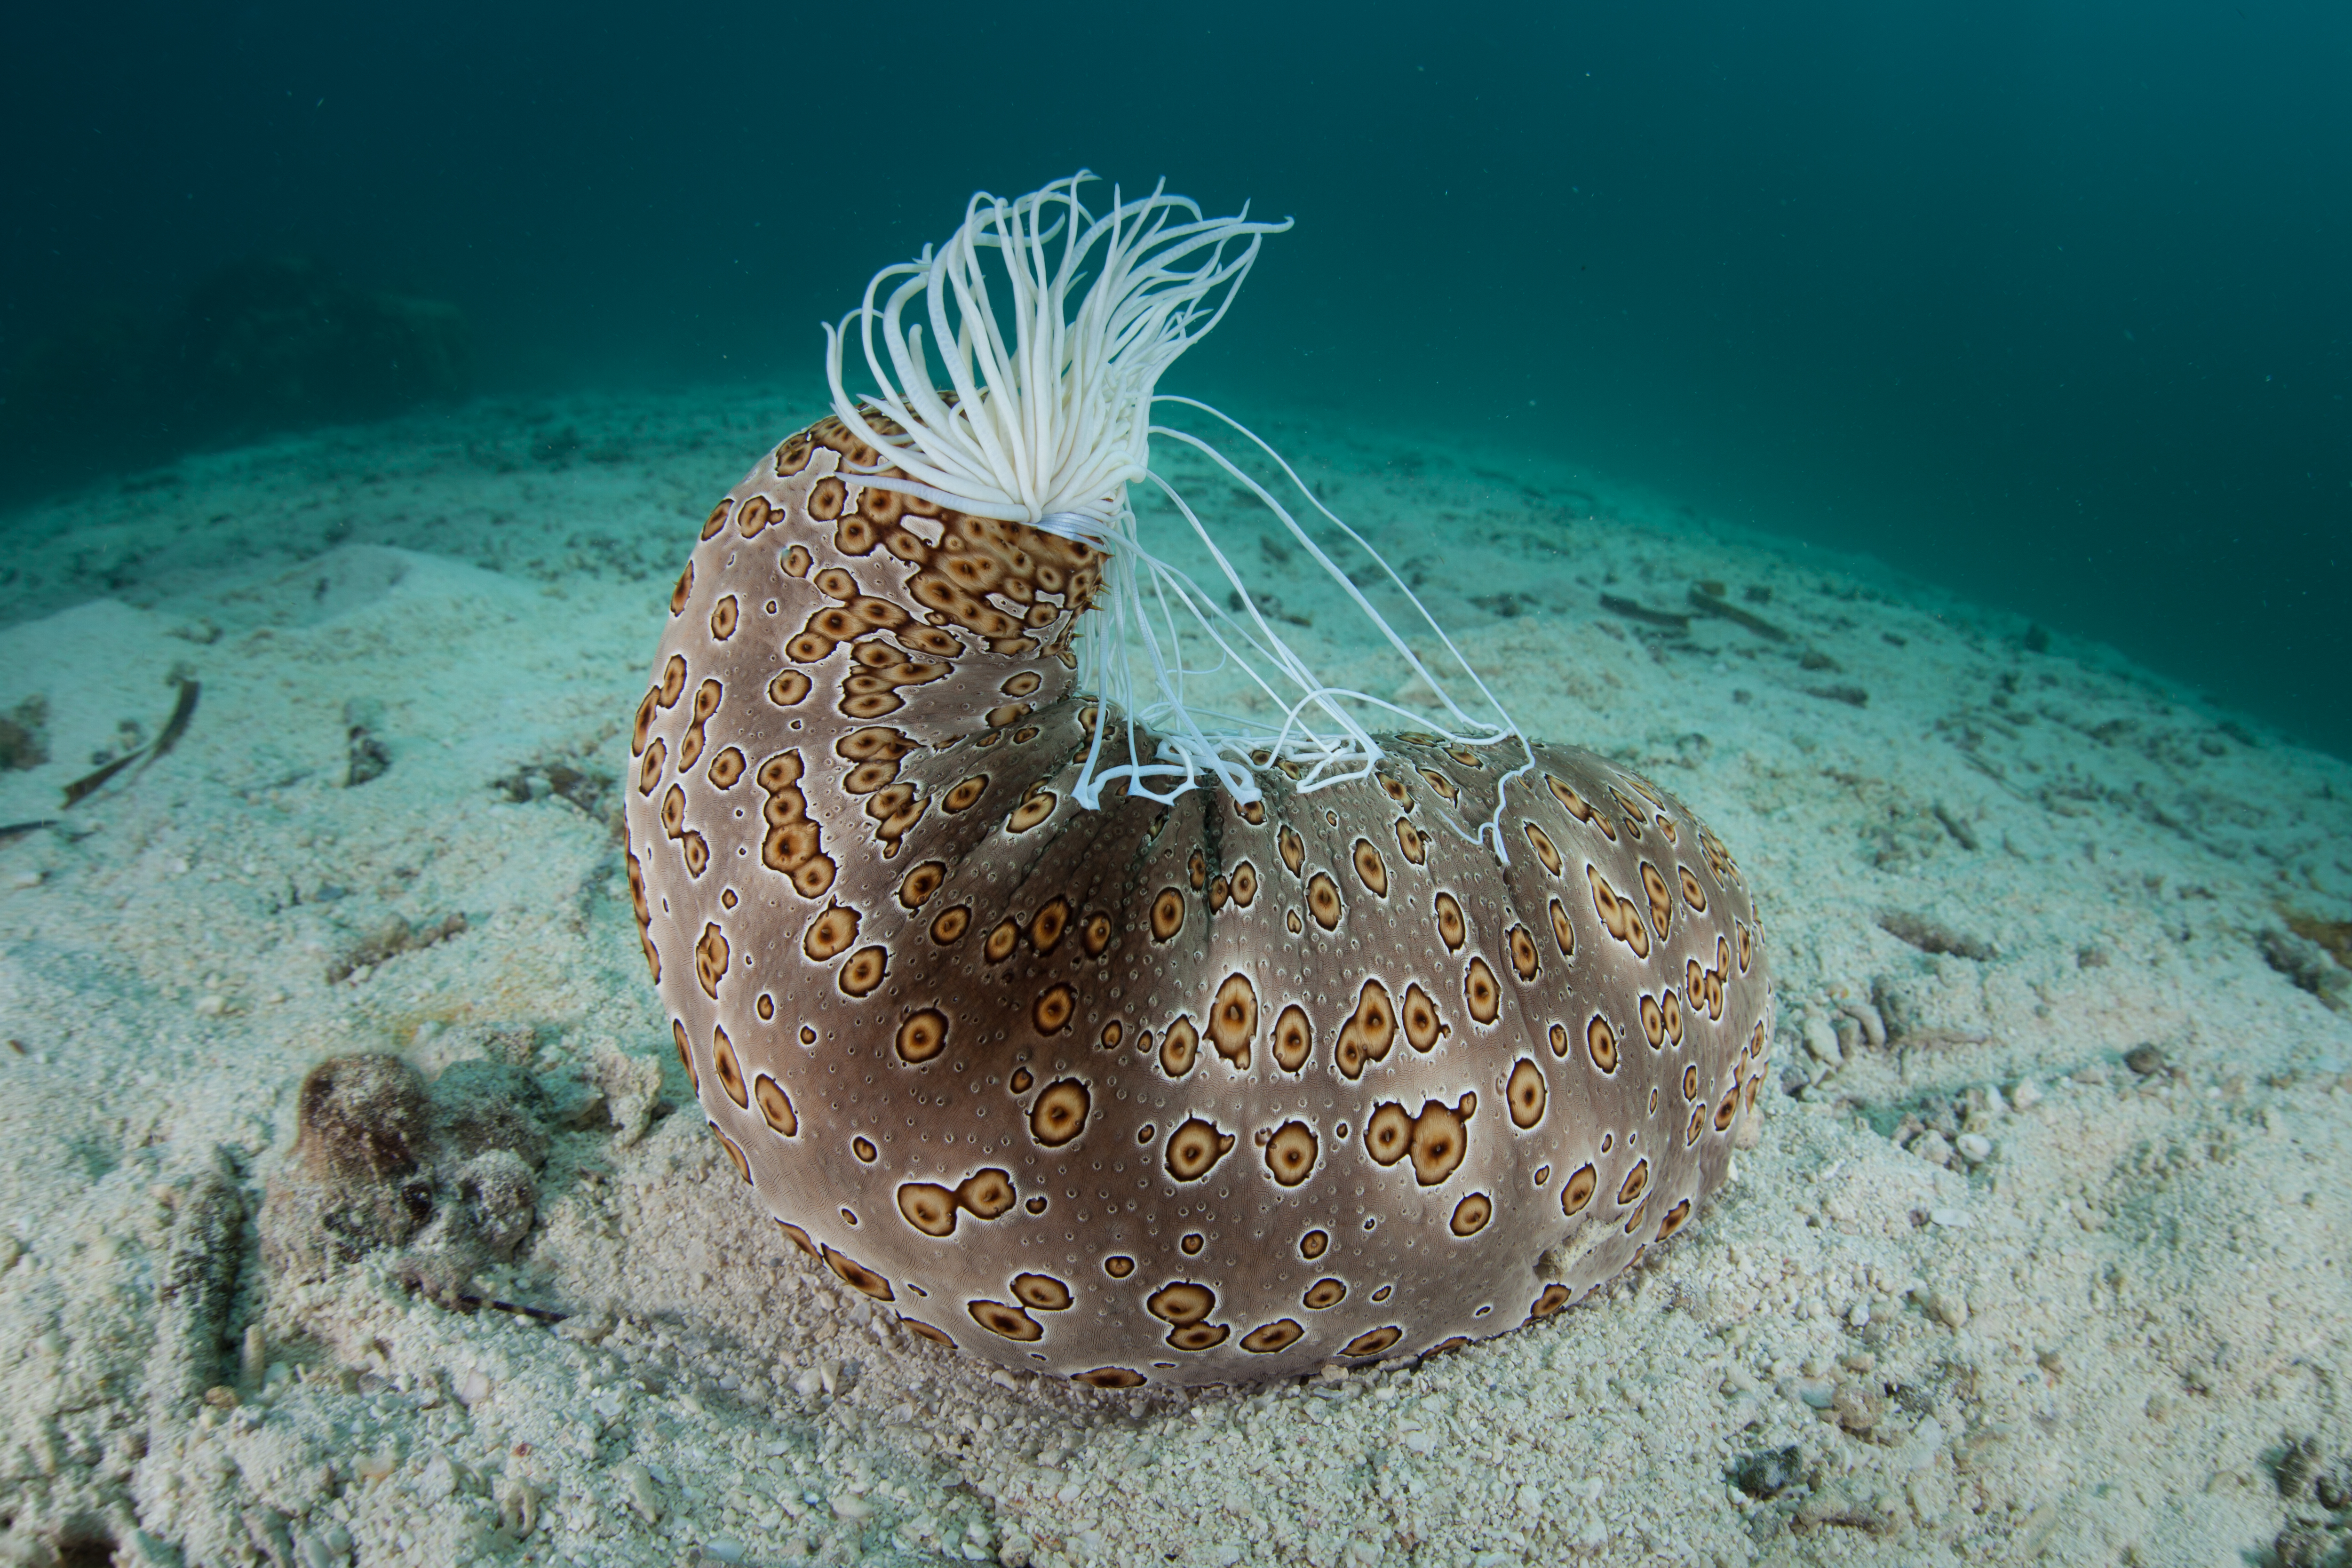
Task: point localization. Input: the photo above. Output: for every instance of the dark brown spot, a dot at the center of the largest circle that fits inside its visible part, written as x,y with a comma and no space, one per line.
928,1207
1232,1019
1452,930
1601,1040
1268,1338
1290,1154
1060,1114
1577,1191
1482,992
858,1276
1040,1292
1194,1147
1178,1048
1293,1040
864,971
1324,1294
1010,1321
1166,914
1373,1343
1526,1094
1471,1215
1314,1244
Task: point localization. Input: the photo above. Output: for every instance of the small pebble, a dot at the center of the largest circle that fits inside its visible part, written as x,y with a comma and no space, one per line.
1821,1043
211,1005
1953,1219
1946,1306
2145,1060
1860,1317
1974,1148
1930,1146
26,879
2026,1094
724,1550
637,1482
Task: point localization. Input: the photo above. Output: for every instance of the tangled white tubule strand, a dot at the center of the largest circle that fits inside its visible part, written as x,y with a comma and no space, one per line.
1050,426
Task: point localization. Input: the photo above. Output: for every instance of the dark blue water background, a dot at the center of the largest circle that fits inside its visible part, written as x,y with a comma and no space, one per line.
2045,301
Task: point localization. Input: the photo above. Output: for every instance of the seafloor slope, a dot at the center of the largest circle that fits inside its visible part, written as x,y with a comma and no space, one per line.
2043,1252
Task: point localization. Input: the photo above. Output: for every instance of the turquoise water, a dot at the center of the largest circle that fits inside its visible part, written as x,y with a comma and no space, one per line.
2043,302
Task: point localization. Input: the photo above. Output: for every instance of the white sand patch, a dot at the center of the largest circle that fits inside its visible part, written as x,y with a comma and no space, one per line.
2041,1253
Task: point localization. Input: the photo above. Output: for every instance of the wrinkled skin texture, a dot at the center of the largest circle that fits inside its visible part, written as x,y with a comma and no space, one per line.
1172,1094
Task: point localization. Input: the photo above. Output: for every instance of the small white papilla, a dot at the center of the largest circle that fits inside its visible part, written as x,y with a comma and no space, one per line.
1051,427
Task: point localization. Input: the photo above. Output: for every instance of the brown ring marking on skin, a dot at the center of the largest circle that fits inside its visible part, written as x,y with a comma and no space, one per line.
1096,935
920,883
863,1147
734,1154
1166,914
1373,1342
1662,899
1294,1038
1423,1026
1481,992
923,1037
1314,1244
1293,848
1179,1047
1524,962
1653,1021
1040,1292
1637,1183
1440,1139
724,615
952,923
718,517
1471,1215
1600,1043
857,1276
1526,1094
1007,1322
1371,869
1060,1114
923,1330
1546,850
1290,1154
1578,1190
1022,1080
725,768
1233,1020
1118,1267
928,1207
1324,1294
1693,894
1452,930
1194,1149
1268,1338
1323,901
1002,940
1365,1035
1674,1219
829,935
1411,842
867,969
1046,926
776,1106
1553,1298
1052,1010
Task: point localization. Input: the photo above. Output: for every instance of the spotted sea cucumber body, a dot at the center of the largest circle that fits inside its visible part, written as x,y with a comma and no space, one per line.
1179,1094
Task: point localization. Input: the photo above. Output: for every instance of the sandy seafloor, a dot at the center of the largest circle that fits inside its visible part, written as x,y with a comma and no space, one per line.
2073,1320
